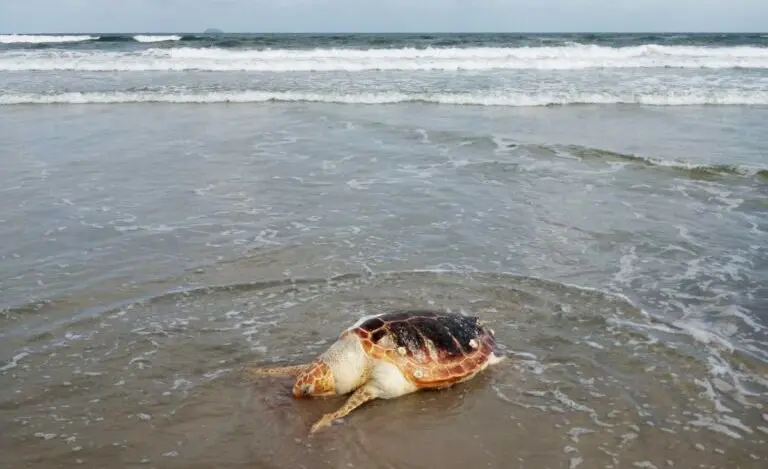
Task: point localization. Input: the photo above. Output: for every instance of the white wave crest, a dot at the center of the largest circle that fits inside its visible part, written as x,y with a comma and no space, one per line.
512,99
144,38
42,38
570,57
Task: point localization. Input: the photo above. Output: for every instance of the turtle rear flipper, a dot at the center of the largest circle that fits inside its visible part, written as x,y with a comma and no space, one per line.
363,394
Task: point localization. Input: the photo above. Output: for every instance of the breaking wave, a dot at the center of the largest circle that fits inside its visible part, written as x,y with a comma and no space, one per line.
143,38
42,38
570,57
511,99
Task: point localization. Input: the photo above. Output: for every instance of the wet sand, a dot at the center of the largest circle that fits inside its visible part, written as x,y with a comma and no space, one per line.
600,392
144,267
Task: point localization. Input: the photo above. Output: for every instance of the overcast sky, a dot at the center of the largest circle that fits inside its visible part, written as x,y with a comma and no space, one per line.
19,16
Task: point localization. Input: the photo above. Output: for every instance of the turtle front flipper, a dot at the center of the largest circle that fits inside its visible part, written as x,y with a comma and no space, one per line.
362,395
289,370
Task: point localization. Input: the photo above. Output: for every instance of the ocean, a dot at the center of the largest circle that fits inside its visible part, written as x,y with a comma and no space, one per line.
177,207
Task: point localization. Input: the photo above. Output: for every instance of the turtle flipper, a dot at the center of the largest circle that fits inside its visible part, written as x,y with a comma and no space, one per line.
289,370
359,397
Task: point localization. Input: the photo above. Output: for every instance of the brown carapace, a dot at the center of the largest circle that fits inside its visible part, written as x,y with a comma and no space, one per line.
392,354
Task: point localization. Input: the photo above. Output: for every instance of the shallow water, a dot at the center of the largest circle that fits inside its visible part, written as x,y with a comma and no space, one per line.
151,252
146,265
598,382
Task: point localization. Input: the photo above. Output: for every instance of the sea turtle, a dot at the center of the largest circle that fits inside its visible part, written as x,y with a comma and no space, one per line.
392,354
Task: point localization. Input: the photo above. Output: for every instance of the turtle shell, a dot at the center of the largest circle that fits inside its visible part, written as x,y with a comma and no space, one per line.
431,348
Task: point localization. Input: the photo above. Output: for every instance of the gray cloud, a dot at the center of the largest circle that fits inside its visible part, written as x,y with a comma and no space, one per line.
390,15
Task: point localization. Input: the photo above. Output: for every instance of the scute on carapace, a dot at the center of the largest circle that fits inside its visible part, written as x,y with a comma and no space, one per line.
429,346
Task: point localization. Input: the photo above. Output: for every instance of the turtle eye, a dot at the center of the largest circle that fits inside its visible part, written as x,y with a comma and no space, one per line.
303,389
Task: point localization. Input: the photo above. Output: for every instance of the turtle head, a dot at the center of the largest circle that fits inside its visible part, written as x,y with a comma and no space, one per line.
315,381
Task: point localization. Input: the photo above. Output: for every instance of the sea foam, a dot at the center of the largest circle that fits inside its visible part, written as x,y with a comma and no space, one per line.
572,57
510,99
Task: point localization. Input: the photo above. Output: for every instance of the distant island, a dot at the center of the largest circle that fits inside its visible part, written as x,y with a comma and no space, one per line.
213,31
